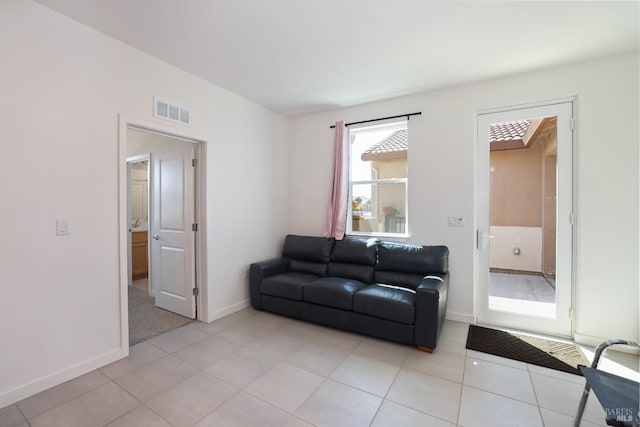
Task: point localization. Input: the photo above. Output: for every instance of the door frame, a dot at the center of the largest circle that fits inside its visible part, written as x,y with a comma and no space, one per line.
479,294
179,132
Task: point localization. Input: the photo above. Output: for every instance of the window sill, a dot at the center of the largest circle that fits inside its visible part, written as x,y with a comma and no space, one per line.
400,237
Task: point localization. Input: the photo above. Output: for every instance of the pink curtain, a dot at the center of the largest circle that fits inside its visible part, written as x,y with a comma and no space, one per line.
337,211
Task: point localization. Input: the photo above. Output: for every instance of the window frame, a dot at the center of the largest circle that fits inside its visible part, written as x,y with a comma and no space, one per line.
353,131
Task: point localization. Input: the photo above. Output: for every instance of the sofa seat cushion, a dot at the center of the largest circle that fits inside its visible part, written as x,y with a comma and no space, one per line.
332,291
387,302
287,285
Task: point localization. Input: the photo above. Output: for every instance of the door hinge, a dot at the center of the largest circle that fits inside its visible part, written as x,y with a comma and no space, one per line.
572,123
196,292
194,162
194,227
572,219
570,312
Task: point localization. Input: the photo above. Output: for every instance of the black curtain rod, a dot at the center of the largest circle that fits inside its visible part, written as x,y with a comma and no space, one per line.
381,118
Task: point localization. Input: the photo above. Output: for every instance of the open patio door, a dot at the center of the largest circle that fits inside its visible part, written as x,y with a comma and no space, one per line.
525,218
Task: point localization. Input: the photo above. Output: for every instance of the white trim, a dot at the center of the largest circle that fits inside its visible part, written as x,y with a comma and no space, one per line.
162,128
460,317
230,309
392,124
534,104
43,383
596,341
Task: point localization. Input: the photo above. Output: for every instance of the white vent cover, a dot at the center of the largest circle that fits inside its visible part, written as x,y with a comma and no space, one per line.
168,111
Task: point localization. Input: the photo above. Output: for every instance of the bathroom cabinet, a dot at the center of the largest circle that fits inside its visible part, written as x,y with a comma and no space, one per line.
139,255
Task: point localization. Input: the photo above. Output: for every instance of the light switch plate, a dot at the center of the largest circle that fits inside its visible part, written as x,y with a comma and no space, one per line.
62,227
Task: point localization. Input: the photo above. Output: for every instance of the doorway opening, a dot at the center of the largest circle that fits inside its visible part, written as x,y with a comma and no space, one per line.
162,273
524,218
522,206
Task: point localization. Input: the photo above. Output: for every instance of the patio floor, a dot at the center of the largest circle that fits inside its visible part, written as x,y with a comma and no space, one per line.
522,293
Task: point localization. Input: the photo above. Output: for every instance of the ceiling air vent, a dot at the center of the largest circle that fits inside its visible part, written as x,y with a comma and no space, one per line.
168,111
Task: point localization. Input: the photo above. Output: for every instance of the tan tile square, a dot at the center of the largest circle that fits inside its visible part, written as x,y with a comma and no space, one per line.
564,396
385,351
11,416
499,379
95,408
335,404
205,353
266,352
317,358
370,375
392,414
190,401
178,338
284,341
139,417
297,422
151,380
244,410
480,408
497,359
55,396
139,355
249,331
285,386
434,396
554,419
240,368
337,339
441,364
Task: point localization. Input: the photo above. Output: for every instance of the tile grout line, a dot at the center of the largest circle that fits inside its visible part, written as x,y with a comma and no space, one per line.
464,370
384,398
535,395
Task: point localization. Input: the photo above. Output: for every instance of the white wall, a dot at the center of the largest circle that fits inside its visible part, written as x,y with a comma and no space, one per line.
504,243
62,87
441,179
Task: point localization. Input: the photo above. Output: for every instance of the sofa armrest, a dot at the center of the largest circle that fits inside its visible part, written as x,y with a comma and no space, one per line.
262,270
431,307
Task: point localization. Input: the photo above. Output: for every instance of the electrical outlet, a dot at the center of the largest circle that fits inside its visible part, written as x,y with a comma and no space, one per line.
456,221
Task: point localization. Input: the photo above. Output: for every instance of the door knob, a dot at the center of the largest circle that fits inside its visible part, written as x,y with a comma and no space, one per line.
156,237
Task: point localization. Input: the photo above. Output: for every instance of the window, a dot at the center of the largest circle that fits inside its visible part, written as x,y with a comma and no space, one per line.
378,180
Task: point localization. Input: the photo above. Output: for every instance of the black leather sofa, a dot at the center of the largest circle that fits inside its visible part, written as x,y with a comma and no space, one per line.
387,290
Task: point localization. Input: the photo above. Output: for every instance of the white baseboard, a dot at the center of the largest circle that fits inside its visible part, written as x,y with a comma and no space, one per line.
596,341
230,309
460,317
16,394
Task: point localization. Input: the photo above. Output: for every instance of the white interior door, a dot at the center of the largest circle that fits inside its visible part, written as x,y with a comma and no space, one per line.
507,251
172,241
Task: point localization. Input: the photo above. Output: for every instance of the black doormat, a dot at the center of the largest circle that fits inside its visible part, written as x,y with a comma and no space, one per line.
537,351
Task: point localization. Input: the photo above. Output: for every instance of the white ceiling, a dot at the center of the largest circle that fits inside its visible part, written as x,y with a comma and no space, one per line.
302,56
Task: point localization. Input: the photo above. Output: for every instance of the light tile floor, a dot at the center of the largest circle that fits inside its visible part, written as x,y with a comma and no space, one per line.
257,369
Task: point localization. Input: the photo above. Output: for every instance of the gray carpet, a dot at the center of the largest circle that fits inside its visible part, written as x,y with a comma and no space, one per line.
146,320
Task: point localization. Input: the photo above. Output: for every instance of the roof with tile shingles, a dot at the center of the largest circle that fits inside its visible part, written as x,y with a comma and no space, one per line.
508,131
393,146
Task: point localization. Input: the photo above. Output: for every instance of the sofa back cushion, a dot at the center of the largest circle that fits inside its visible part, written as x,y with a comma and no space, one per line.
307,267
354,258
406,265
305,248
353,250
361,273
309,255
